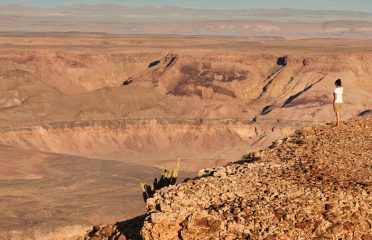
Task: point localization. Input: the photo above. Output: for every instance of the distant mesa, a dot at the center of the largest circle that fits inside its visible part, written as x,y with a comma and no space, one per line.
261,24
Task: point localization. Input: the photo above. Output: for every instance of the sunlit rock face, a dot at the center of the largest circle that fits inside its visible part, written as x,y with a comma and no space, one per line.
314,184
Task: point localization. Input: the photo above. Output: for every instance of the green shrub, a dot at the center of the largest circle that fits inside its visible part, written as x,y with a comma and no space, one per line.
169,177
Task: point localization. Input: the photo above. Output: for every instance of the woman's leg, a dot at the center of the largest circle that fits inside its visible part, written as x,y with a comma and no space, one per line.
337,119
336,113
337,109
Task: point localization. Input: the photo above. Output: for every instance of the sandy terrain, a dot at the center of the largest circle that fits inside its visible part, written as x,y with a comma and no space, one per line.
75,143
70,192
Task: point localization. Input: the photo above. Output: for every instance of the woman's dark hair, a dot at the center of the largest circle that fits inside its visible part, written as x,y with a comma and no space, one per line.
338,83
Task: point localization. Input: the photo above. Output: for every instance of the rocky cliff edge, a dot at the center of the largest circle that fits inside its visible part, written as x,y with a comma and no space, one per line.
315,184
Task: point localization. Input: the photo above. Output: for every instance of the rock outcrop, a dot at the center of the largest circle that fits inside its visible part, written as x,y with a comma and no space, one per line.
316,184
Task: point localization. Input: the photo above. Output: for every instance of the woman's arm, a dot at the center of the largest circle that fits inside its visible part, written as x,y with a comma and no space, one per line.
334,97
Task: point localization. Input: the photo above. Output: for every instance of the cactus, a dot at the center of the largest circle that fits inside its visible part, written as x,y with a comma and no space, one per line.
169,177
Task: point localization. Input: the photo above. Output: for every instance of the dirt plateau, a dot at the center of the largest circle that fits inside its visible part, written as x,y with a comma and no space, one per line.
315,184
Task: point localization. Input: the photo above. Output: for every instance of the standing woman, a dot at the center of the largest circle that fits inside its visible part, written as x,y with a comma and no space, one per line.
337,100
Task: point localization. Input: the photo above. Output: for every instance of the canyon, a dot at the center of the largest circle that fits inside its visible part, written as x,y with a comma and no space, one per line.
85,118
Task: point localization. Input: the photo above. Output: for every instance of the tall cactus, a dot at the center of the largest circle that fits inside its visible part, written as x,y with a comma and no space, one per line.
169,177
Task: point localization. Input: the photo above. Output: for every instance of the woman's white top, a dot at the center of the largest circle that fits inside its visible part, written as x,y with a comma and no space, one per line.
338,92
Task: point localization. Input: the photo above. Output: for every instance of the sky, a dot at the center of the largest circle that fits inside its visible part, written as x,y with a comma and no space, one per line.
353,5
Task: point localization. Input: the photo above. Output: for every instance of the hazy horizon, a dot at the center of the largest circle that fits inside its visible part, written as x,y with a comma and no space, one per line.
286,22
336,5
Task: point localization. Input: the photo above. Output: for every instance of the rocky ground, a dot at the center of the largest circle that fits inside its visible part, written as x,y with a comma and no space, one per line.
316,184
